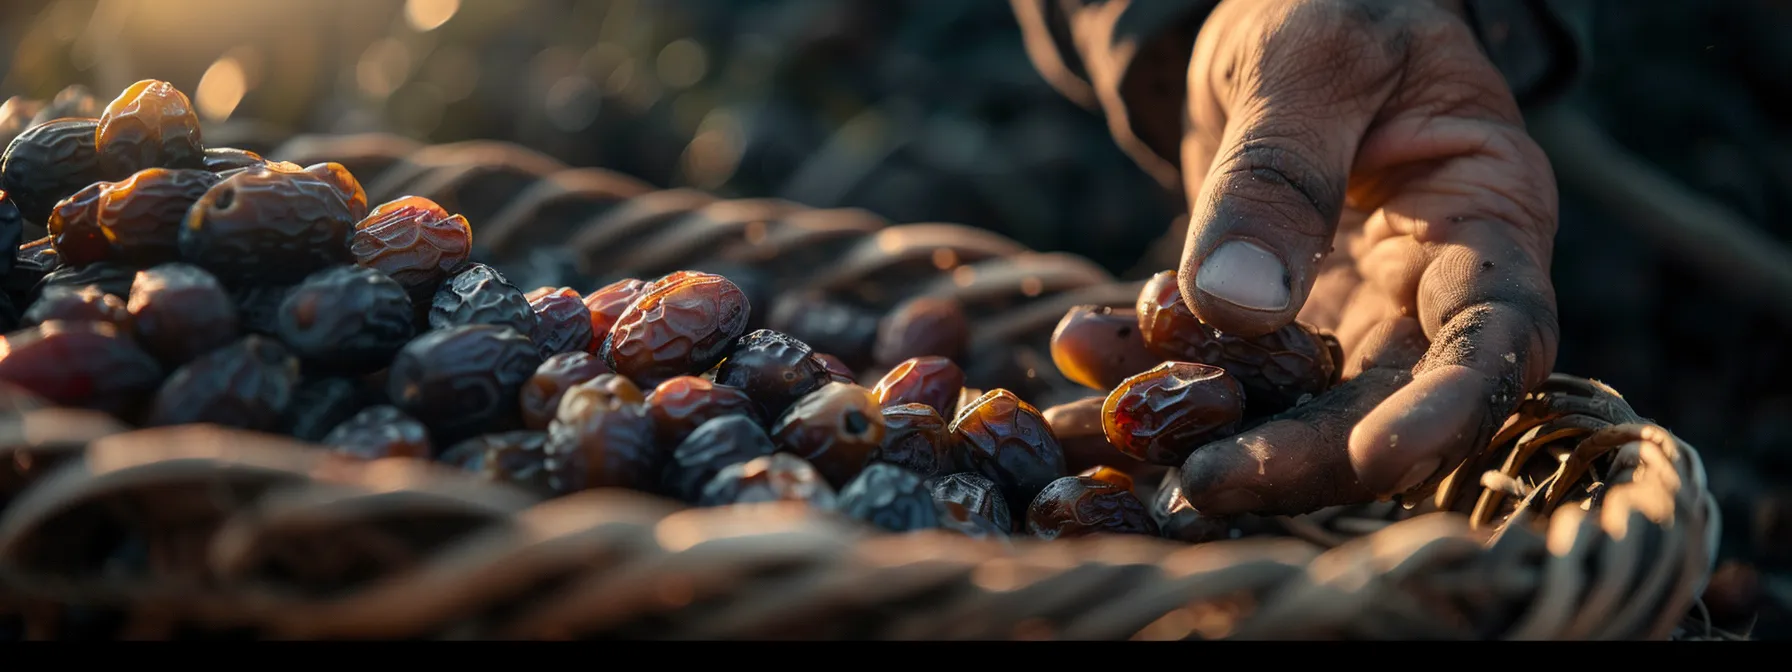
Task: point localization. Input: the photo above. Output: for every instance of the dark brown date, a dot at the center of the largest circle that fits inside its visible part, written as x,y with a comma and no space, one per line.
1276,370
541,395
680,405
34,261
74,226
80,364
1163,415
934,381
150,125
602,437
607,305
272,225
1178,520
716,445
479,294
181,312
347,319
247,385
1076,506
837,370
682,324
922,327
515,458
562,322
1098,347
780,477
890,497
463,381
320,405
414,241
381,432
973,495
12,231
774,369
837,428
915,438
140,217
79,304
115,279
1008,441
258,307
50,162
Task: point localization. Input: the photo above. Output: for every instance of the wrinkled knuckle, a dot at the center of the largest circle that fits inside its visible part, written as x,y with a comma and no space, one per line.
1278,171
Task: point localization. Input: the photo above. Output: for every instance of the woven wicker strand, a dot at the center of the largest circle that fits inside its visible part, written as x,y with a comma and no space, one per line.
243,531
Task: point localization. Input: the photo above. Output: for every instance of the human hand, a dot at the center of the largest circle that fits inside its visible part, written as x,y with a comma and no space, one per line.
1361,165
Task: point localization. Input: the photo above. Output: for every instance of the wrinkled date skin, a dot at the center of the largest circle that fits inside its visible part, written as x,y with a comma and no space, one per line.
891,498
934,381
602,437
1007,440
1276,370
915,438
541,395
1079,430
837,370
716,445
74,226
12,231
680,405
780,477
517,458
682,324
463,381
346,319
607,305
115,279
1077,506
381,432
562,322
1099,347
975,496
79,304
181,312
480,294
87,365
320,405
922,327
414,241
150,125
1178,520
774,369
140,218
247,385
50,162
273,225
1163,415
223,159
837,429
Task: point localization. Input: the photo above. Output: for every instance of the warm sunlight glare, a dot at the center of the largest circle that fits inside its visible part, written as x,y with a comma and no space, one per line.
221,89
428,15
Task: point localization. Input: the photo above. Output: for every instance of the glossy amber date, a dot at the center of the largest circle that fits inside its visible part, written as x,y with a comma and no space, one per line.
150,125
1078,427
915,438
1077,506
1108,475
222,159
934,381
1276,370
414,241
680,405
683,324
837,429
1161,416
1008,441
607,305
74,226
1098,347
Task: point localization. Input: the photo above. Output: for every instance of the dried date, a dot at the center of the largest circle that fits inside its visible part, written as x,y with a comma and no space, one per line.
680,405
80,364
1008,441
12,232
115,279
1099,347
1076,506
779,477
541,396
837,429
463,381
347,319
1165,414
79,304
922,327
1178,520
225,159
140,218
380,432
414,241
1079,429
516,458
74,226
915,438
602,437
837,370
1276,370
934,381
481,295
273,225
562,322
150,125
50,162
773,368
320,405
891,498
967,495
607,305
682,324
246,385
715,445
181,312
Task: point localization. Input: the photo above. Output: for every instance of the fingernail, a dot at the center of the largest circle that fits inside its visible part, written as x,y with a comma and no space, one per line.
1244,274
1419,474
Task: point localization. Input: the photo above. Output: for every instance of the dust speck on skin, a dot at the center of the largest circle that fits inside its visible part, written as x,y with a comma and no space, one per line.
1393,440
1510,357
1259,450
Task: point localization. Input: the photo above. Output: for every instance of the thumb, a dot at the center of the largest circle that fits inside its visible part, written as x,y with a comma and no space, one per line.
1297,95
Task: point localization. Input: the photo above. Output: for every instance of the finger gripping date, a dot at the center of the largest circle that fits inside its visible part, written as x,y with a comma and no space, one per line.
1008,441
682,324
1276,370
1163,415
268,226
414,241
150,125
463,381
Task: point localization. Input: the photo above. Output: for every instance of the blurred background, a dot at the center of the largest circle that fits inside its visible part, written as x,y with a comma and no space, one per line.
1674,156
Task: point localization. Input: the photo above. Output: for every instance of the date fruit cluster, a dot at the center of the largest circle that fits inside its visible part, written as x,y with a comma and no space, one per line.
184,284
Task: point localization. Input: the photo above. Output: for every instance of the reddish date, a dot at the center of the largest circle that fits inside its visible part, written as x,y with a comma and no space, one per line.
181,312
80,364
1276,370
602,437
414,241
1165,414
607,305
934,381
1098,347
680,405
541,395
682,324
1008,441
837,429
922,327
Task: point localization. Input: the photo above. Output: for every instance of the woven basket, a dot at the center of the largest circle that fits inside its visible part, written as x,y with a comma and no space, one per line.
1580,520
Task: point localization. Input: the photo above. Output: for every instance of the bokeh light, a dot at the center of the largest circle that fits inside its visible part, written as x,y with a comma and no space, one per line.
221,89
428,15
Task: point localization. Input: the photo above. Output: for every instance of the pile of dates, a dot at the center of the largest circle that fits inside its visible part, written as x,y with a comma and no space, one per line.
183,284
